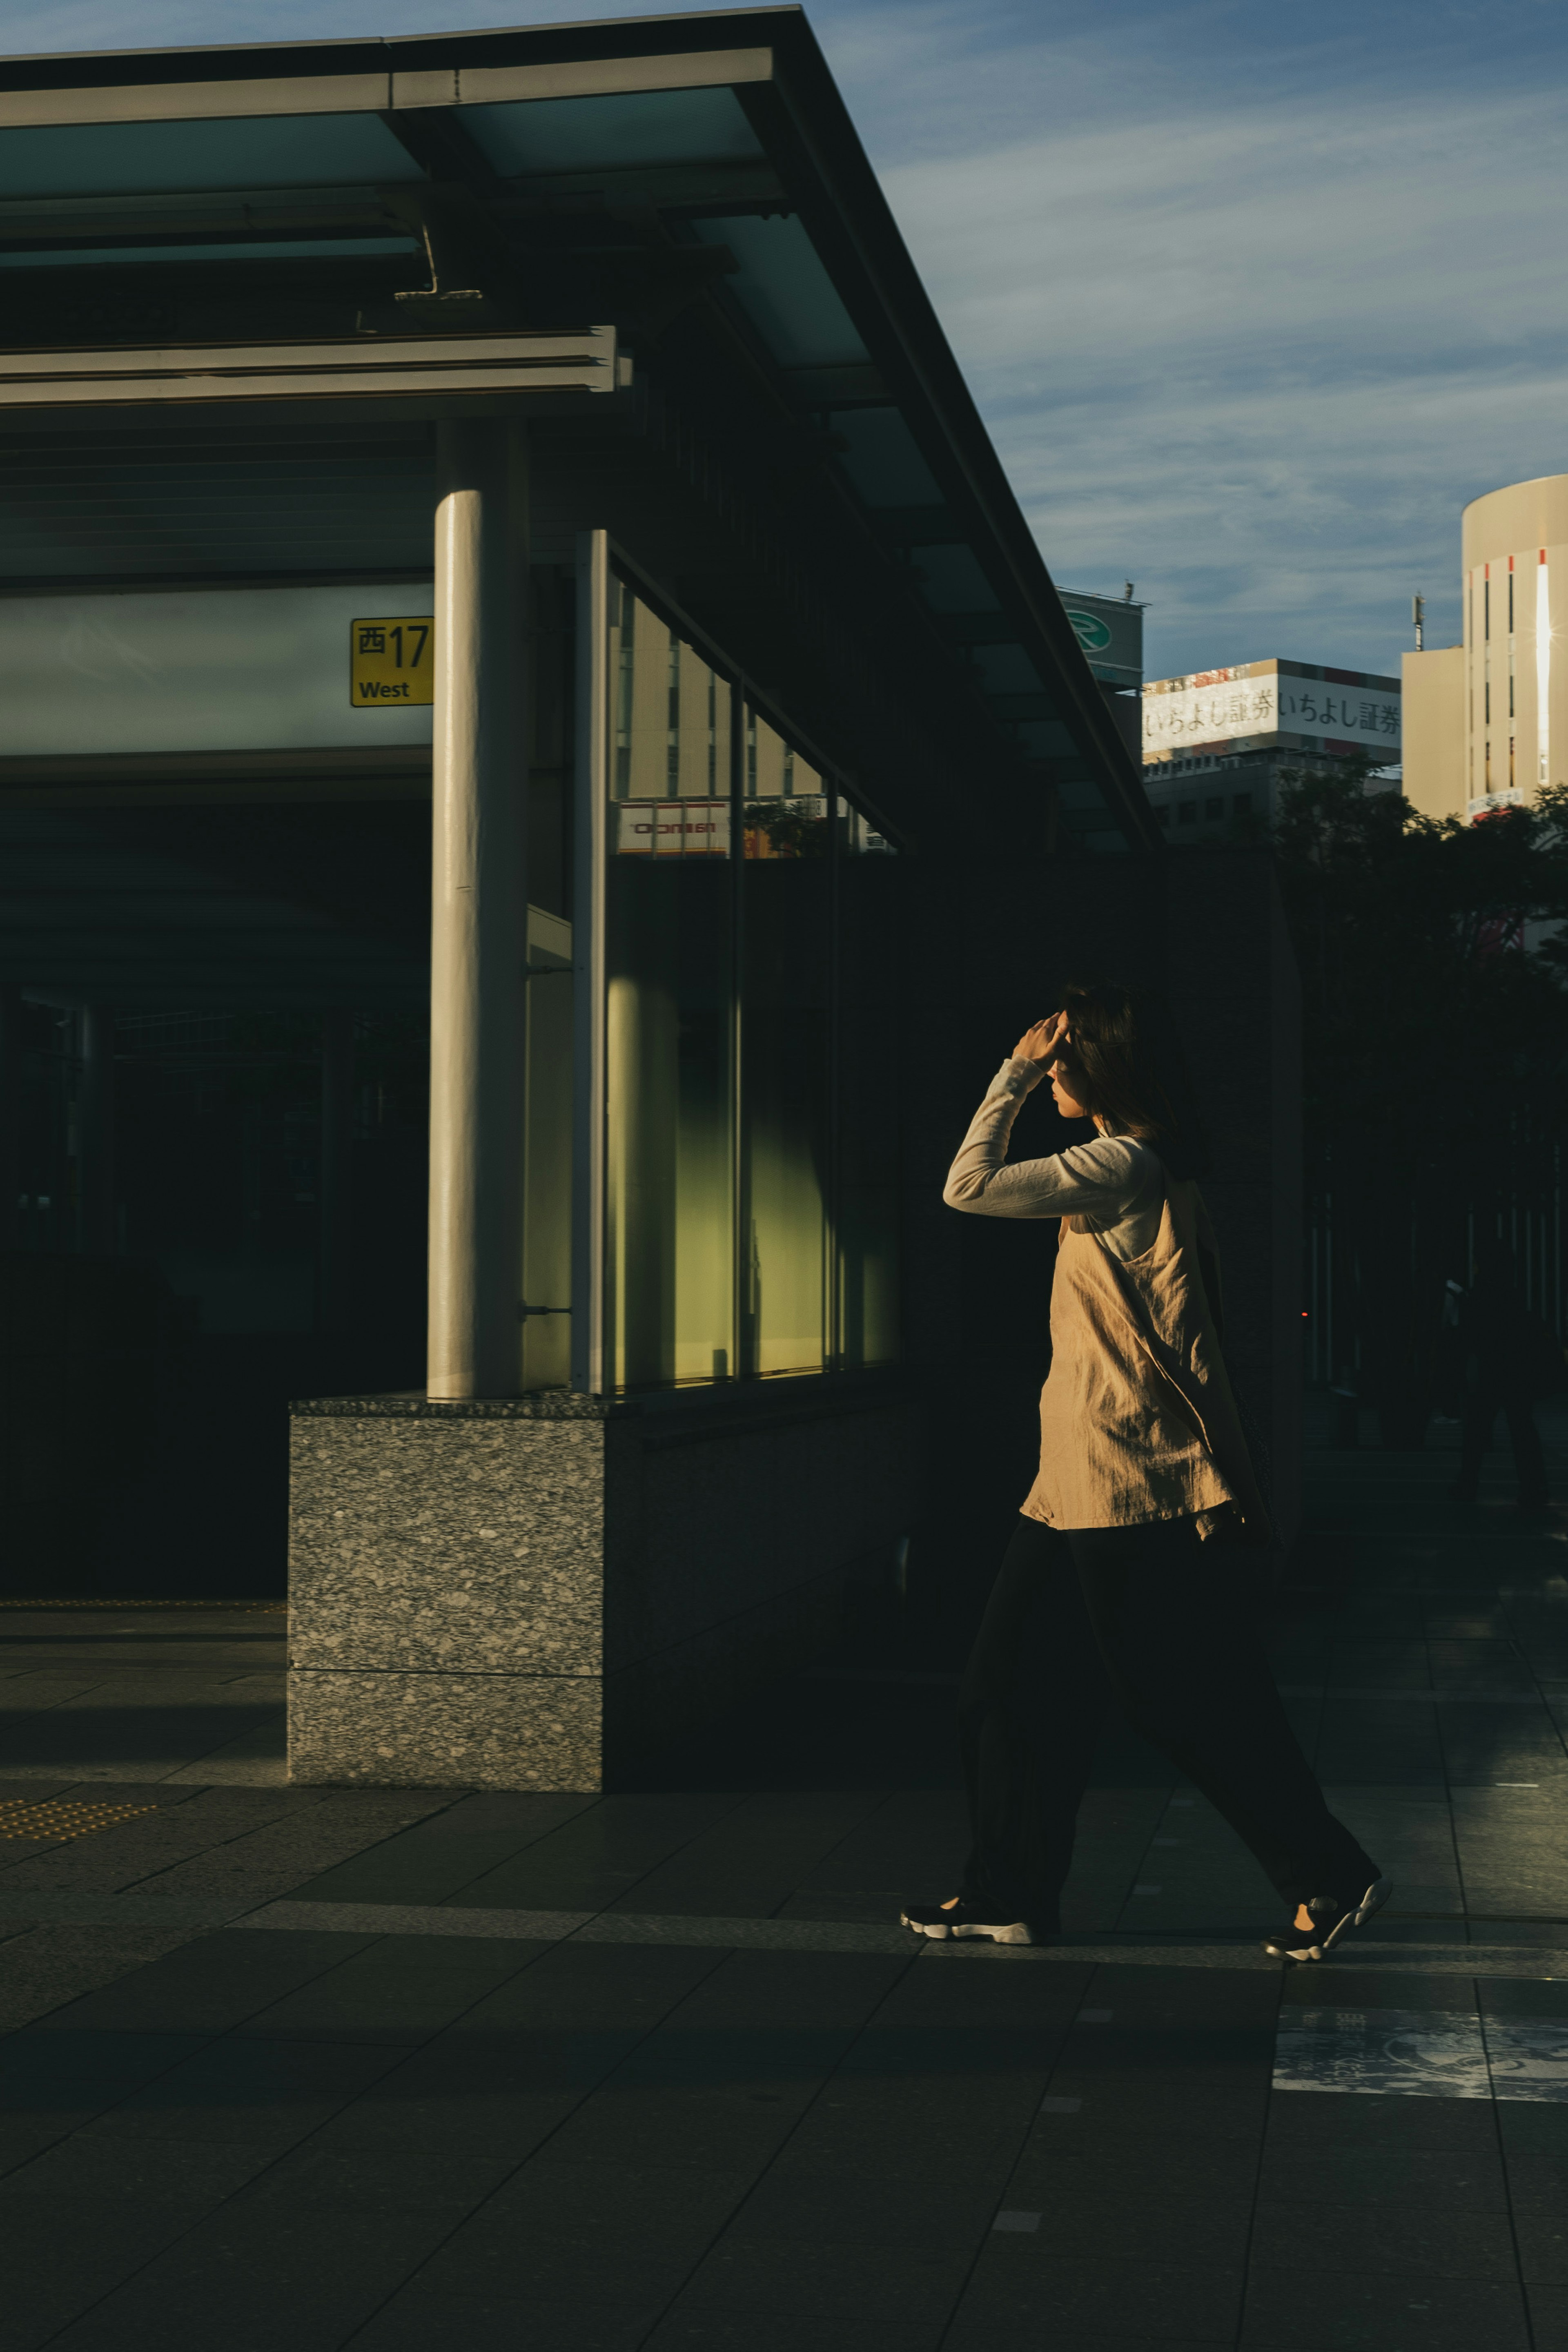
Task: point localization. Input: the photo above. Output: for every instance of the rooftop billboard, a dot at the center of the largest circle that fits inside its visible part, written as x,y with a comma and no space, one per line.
1271,706
1111,631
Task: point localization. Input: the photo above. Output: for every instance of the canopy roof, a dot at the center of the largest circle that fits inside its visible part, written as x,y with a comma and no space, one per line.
648,159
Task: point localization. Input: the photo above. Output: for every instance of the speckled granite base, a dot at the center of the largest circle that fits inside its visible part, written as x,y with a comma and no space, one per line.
472,1545
447,1596
445,1730
530,1593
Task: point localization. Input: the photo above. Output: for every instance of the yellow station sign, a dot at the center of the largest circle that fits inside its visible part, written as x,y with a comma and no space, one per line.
391,661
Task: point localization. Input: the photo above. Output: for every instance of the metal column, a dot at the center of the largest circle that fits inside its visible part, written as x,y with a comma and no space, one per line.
589,1373
479,912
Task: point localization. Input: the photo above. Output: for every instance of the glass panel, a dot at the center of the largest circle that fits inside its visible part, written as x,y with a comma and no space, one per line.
868,1173
785,290
622,127
139,503
547,1101
226,1189
883,460
752,1203
670,1150
951,580
1006,669
222,1171
784,1045
324,248
274,151
547,1201
203,670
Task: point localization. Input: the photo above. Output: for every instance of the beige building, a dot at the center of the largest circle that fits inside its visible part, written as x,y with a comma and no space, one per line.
1486,721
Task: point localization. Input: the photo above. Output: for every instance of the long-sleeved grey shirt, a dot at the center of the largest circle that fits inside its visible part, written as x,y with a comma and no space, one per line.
1137,1419
1113,1187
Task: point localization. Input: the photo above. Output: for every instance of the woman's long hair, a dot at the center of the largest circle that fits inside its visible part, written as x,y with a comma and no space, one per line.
1129,1068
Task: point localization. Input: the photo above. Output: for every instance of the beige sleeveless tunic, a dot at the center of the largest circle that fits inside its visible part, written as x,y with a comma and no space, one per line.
1138,1420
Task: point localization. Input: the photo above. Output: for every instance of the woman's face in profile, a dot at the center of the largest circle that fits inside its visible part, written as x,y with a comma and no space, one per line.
1063,1078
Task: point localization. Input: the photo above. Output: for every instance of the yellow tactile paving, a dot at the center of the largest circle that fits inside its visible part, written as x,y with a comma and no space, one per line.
53,1817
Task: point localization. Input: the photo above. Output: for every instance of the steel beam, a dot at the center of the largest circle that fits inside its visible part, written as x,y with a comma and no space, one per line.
577,360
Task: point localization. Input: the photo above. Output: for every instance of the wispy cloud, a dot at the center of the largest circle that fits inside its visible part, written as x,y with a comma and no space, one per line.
1257,364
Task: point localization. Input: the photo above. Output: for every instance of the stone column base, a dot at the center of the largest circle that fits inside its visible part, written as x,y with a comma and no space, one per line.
532,1593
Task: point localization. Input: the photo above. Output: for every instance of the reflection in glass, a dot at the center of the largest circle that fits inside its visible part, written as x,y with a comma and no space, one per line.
751,1189
671,717
670,1255
785,1145
546,1149
867,1191
546,1329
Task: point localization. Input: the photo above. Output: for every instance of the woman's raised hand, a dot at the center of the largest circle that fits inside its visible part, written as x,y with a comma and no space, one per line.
1044,1042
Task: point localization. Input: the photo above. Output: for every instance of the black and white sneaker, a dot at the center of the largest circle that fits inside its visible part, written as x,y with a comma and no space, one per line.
941,1920
1332,1921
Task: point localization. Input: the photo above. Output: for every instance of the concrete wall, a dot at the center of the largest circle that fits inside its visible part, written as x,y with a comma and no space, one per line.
1434,698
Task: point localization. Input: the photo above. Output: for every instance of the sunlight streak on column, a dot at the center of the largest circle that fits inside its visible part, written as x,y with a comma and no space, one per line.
1542,667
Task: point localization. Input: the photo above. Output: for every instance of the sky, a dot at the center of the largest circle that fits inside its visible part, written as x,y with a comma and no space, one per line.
1252,300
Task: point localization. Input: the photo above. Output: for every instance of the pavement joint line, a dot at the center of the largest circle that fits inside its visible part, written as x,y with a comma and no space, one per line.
1423,1698
879,1674
1539,1963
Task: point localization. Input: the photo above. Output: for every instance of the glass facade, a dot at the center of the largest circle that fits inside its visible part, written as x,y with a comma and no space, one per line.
750,1218
866,1172
786,1143
548,1042
670,1042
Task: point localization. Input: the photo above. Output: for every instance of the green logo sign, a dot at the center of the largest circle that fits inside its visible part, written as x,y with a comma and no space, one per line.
1092,634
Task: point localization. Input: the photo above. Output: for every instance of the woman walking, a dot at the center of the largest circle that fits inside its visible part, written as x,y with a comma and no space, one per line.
1133,1569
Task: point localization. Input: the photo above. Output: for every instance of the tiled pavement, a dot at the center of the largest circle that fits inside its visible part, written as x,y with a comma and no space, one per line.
290,2069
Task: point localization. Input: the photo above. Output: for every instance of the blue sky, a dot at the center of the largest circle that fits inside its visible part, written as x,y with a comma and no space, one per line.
1252,300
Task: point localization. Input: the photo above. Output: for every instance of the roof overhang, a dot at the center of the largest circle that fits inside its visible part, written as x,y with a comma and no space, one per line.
721,139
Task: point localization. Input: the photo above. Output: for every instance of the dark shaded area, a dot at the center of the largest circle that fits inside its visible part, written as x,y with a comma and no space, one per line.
186,1253
1436,1083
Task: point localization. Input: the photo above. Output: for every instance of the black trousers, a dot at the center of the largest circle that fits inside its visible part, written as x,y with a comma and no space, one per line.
1480,1422
1163,1622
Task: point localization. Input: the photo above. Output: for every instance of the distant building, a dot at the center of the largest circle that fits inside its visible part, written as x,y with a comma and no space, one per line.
1216,741
1434,730
1111,631
1488,716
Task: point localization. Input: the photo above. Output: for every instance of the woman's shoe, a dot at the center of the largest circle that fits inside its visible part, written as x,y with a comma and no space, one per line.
941,1920
1331,1920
